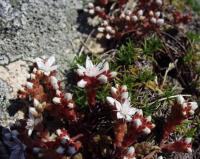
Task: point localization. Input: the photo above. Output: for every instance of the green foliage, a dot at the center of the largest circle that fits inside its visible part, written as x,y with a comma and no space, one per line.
78,60
126,53
188,57
193,37
186,129
145,76
169,91
151,45
103,92
195,5
80,96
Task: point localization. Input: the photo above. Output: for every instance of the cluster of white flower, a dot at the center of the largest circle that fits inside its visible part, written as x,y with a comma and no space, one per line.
120,100
46,65
135,17
91,9
188,108
106,29
142,124
35,116
92,75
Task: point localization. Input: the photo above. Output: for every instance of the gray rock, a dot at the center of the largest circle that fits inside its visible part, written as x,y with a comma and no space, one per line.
32,28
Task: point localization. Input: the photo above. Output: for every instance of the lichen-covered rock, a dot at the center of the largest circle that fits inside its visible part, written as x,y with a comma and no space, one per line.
32,28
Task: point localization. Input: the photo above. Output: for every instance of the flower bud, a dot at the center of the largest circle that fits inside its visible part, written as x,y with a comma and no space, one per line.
153,20
137,122
113,90
56,100
108,28
157,14
90,5
91,11
159,2
108,36
98,9
60,150
29,85
101,29
113,74
146,130
135,18
160,21
82,83
140,13
151,13
70,105
68,96
188,140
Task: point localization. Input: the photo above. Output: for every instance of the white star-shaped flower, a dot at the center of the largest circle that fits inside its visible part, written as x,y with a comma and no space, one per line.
46,65
124,110
92,70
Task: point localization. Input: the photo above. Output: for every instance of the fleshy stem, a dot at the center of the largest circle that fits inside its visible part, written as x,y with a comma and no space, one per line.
91,97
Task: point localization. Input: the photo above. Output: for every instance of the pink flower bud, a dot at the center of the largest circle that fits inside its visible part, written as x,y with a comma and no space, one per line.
70,105
124,88
151,13
153,20
157,14
160,21
194,105
98,9
140,13
101,29
56,100
32,76
113,90
131,151
159,2
113,74
146,130
90,5
82,83
135,18
68,96
29,85
103,79
188,140
108,28
137,122
108,36
91,11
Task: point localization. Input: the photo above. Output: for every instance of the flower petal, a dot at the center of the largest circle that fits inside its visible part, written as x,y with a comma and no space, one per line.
105,67
89,63
40,64
118,105
110,100
51,60
119,115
